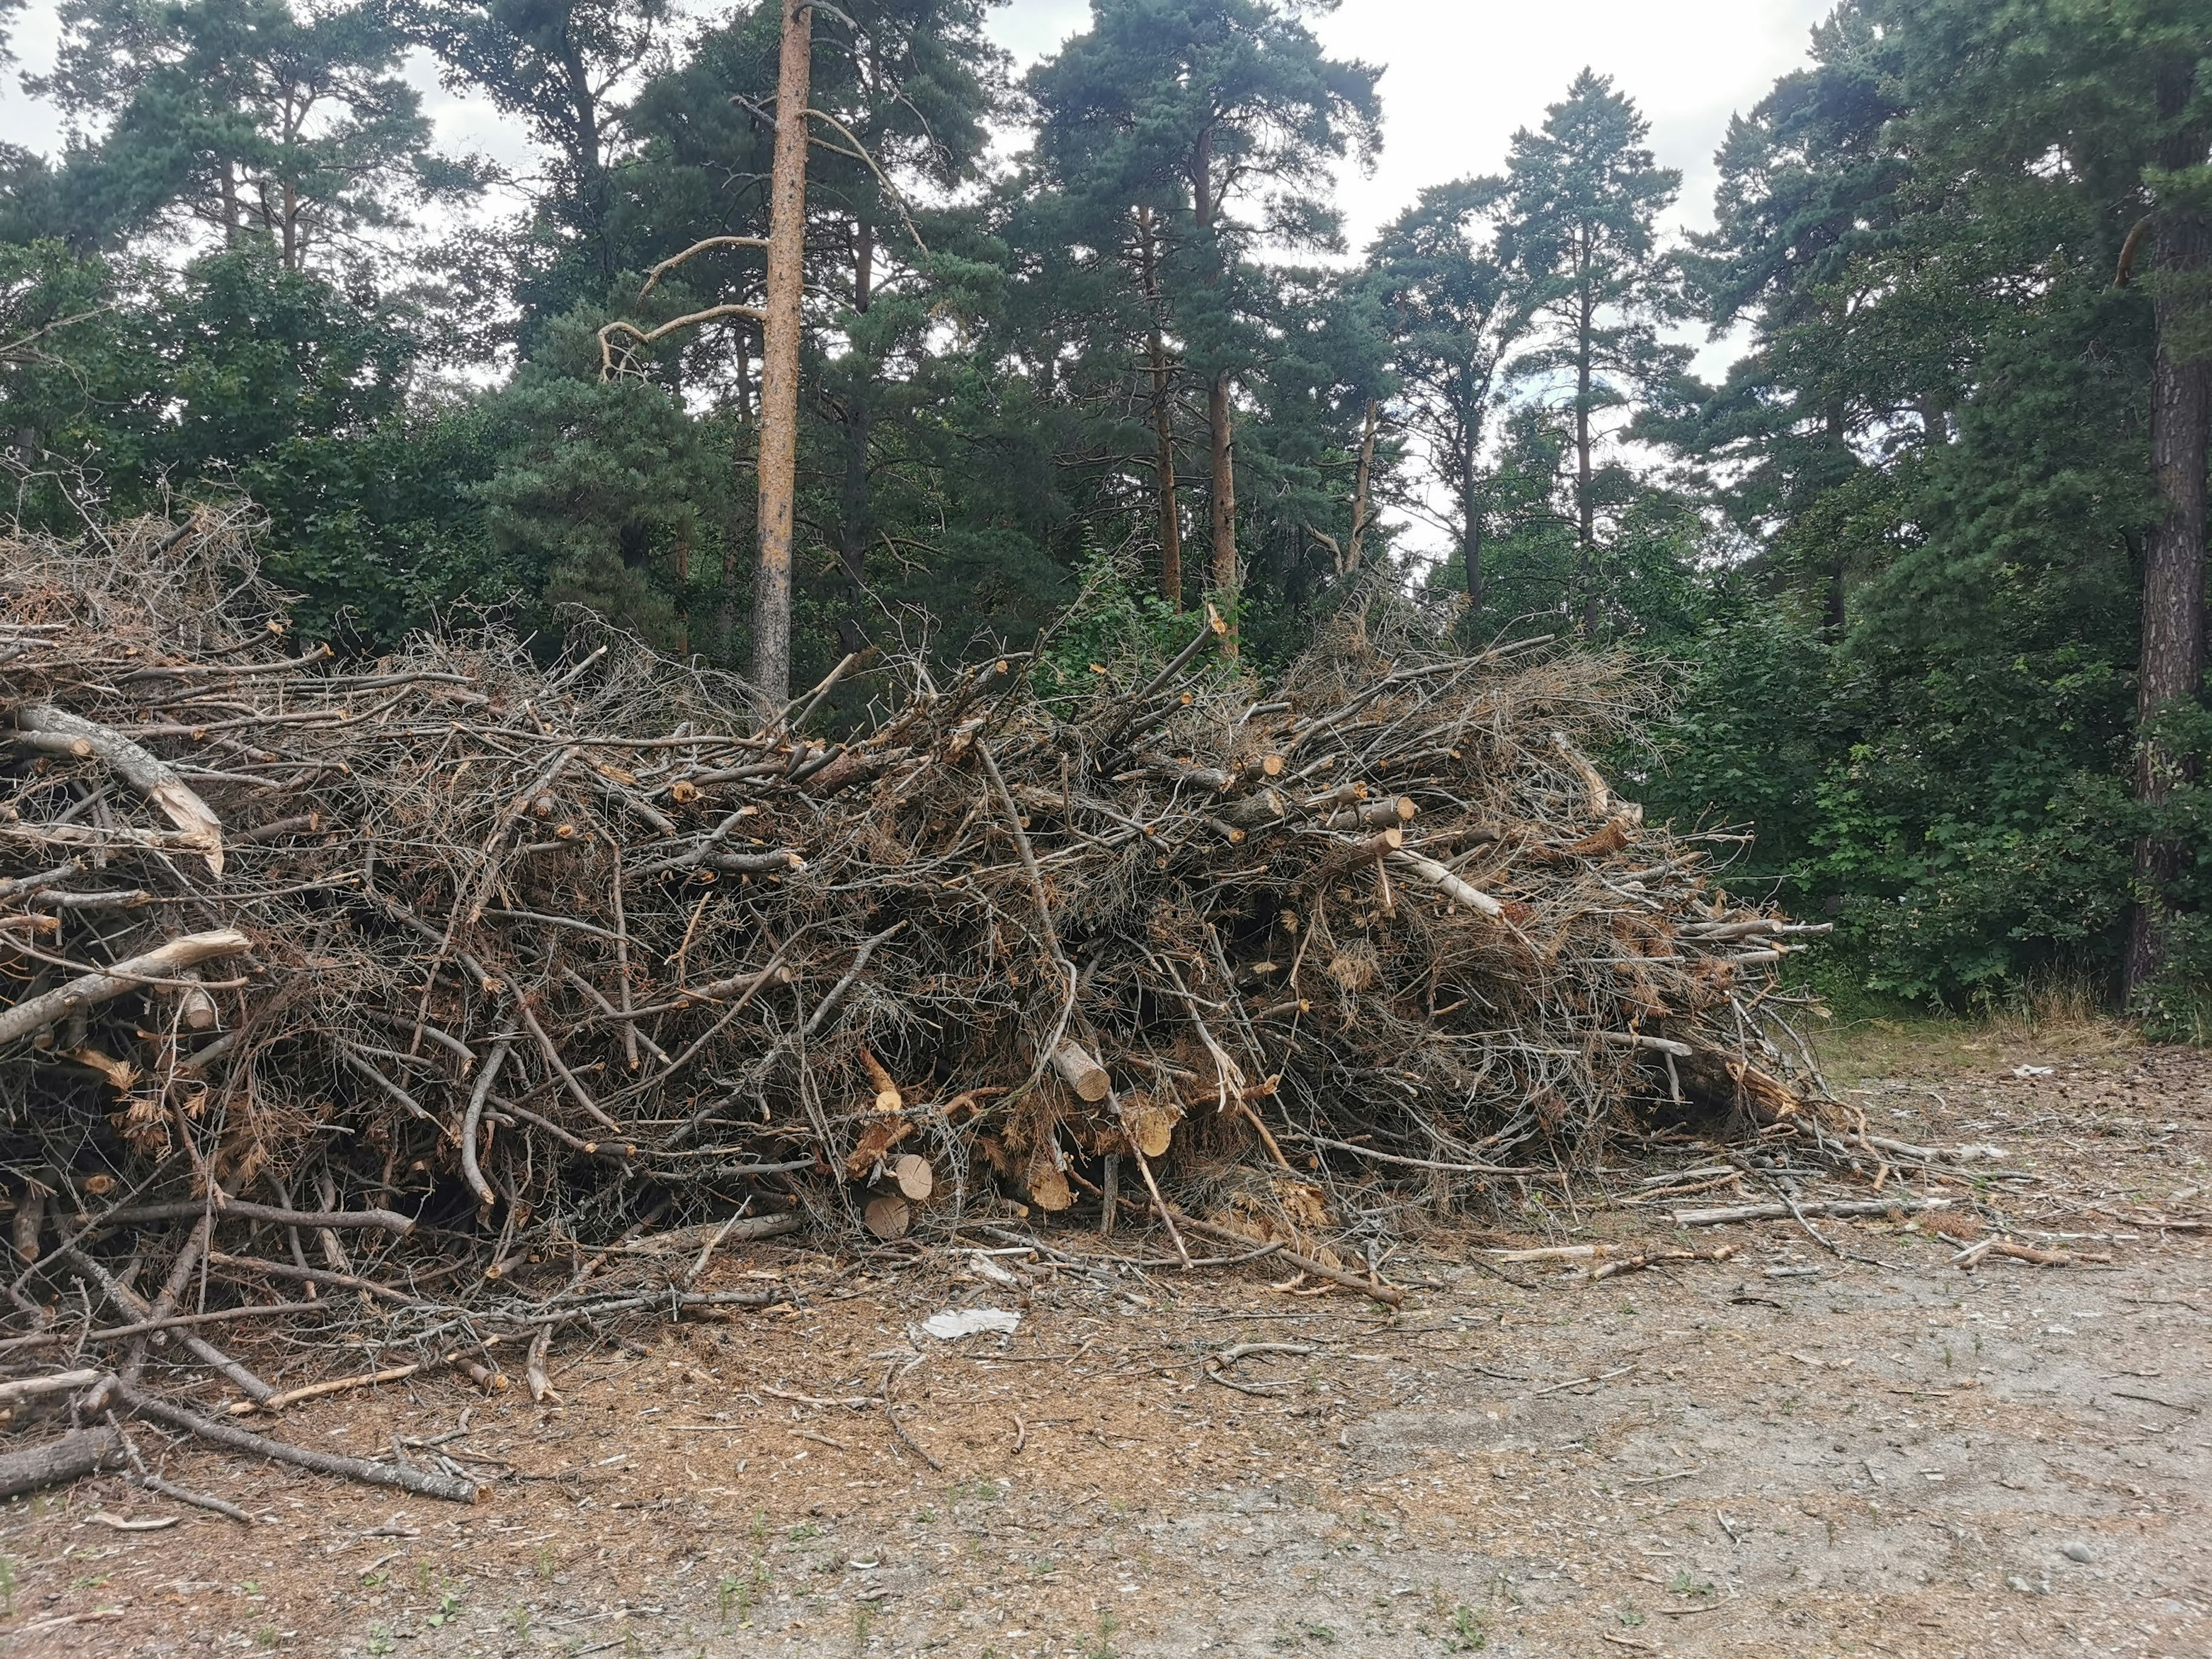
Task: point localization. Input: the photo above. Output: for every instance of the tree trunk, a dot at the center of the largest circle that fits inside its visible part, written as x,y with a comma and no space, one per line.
1585,508
1164,456
229,203
1354,544
735,533
587,157
1222,479
1223,506
1470,535
779,424
2172,660
853,498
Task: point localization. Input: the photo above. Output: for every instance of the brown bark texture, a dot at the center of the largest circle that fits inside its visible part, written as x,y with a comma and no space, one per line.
779,425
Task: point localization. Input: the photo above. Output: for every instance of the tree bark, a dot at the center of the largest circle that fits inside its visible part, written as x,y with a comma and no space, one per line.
735,533
2172,660
1163,458
852,497
779,438
587,154
164,962
1354,546
1585,508
1470,534
1222,479
75,1455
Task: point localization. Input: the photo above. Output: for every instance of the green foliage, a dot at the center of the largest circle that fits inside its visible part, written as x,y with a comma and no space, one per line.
1118,631
1893,559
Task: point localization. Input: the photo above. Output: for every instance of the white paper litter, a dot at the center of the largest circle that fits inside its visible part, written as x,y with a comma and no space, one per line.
2033,1070
956,1322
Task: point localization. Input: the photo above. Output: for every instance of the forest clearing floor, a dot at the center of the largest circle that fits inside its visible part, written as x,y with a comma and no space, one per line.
1785,1453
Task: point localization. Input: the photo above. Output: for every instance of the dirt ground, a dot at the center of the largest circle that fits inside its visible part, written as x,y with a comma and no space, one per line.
1792,1452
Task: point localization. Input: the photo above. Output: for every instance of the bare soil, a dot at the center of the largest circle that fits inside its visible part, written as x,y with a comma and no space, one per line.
1791,1452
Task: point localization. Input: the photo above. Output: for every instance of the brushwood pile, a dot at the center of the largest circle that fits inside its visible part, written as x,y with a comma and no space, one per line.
526,958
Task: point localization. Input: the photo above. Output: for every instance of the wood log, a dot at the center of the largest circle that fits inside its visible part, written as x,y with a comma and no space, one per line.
888,1097
75,1455
1658,1045
56,730
29,1221
913,1177
33,1387
1357,856
874,1146
1401,809
779,861
1079,1071
888,1216
1460,893
35,1013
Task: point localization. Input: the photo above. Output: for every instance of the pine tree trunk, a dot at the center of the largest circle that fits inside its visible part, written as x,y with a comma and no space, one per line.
1163,461
2173,660
1222,479
853,498
779,439
737,531
1354,547
1585,506
1223,505
1470,535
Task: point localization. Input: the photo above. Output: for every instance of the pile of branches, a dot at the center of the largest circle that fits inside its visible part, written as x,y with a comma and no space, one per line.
432,977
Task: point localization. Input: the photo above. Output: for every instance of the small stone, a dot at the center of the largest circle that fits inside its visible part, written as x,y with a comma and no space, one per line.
2077,1552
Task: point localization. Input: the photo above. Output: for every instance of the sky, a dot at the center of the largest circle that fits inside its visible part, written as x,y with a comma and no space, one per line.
1459,77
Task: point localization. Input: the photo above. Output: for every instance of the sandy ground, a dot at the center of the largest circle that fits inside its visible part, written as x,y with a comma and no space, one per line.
1792,1452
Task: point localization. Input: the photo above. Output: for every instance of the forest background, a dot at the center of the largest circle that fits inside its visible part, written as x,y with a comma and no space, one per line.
1924,570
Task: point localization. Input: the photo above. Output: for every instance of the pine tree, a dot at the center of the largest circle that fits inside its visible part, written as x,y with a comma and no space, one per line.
1179,113
1581,236
2115,99
1453,314
248,119
563,67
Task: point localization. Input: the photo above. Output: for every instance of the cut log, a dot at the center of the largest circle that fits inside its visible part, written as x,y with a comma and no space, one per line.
56,730
1150,1123
1401,809
1357,856
888,1216
73,1456
888,1098
29,1220
874,1145
913,1177
1079,1071
39,1011
1459,892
